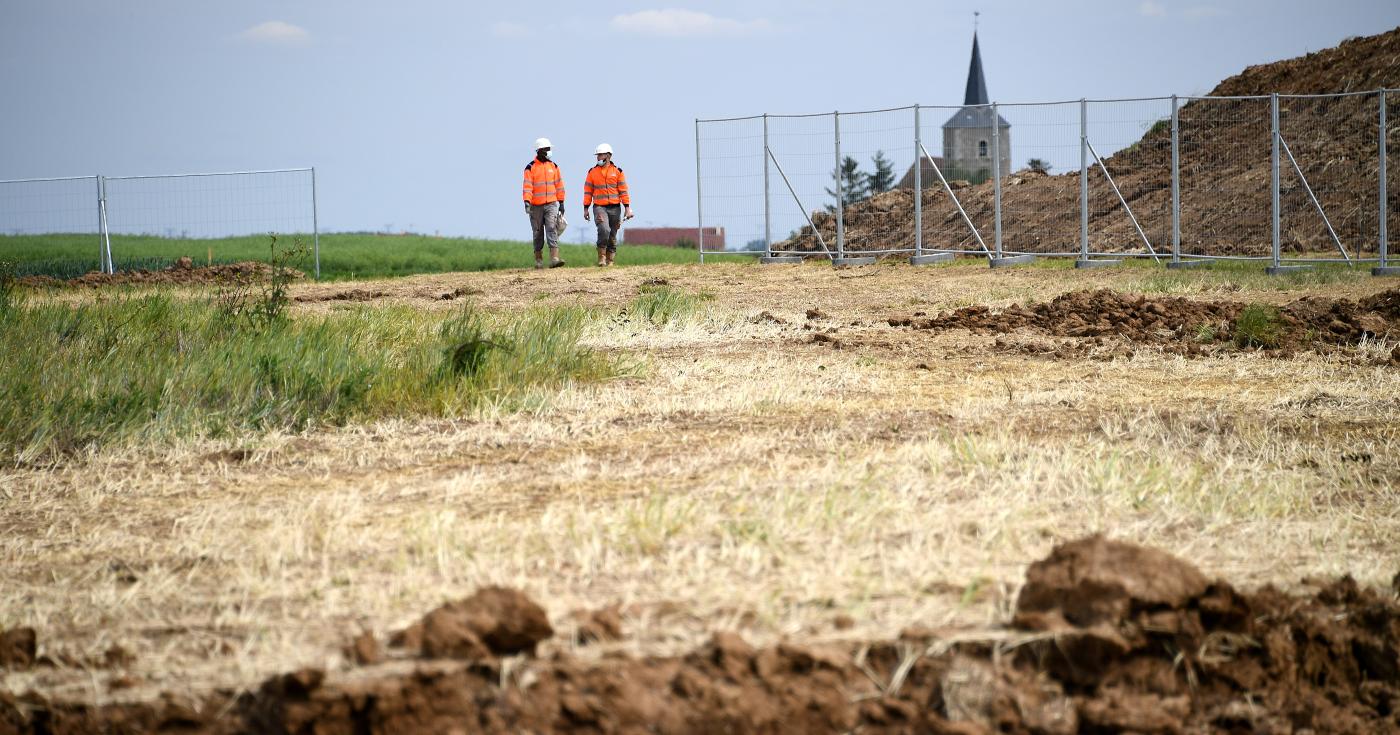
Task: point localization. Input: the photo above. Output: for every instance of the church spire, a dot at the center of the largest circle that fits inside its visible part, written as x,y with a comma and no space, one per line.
976,93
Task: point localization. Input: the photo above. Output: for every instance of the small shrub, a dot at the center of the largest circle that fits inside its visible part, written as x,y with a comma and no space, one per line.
7,285
686,243
260,301
1258,325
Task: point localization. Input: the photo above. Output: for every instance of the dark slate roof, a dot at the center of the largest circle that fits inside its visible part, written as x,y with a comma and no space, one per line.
976,93
974,117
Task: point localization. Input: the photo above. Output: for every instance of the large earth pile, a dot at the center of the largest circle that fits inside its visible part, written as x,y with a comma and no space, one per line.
1107,637
1225,149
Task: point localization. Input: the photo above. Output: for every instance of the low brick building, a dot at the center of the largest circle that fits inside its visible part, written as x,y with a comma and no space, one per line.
669,236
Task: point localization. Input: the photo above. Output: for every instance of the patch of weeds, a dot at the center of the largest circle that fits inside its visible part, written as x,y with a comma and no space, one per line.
257,300
1206,333
1258,325
663,305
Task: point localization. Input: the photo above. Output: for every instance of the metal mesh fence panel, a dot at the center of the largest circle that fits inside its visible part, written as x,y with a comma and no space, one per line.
1130,206
1040,212
802,185
944,227
731,183
184,215
1392,179
51,225
1225,196
879,217
1328,177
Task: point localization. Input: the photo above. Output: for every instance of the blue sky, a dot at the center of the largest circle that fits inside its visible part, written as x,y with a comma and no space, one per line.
421,114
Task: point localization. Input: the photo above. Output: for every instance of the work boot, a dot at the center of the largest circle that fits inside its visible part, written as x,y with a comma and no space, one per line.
554,261
539,261
602,257
611,255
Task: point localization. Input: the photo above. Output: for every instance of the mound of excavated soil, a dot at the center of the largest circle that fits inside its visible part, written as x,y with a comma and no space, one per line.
181,272
1175,321
1107,637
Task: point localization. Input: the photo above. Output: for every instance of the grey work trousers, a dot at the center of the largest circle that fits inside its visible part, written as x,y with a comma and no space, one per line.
609,218
544,222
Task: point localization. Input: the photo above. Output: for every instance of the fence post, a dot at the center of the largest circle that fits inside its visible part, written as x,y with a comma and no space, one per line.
1384,269
315,226
1273,181
996,174
1083,179
840,197
109,266
919,186
767,217
101,251
699,208
1176,183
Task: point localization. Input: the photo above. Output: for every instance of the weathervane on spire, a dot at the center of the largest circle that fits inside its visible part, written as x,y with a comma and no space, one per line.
975,13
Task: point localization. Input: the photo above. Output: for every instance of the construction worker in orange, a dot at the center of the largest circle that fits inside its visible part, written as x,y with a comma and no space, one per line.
605,190
544,202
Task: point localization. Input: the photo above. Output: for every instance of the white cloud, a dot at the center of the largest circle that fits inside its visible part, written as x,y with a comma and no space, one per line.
674,22
1204,11
1152,9
276,32
507,29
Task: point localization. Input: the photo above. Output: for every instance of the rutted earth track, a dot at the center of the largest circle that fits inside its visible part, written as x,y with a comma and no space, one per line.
751,480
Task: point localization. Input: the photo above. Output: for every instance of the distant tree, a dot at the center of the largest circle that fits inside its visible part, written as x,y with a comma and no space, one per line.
1038,165
855,184
883,179
754,246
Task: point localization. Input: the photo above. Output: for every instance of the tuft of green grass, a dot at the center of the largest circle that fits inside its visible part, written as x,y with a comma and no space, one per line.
1258,325
152,368
661,304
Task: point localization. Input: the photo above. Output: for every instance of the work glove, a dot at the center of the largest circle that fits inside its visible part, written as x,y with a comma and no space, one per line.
628,214
586,215
527,207
561,209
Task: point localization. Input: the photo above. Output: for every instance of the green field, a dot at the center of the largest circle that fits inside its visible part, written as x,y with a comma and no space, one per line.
343,256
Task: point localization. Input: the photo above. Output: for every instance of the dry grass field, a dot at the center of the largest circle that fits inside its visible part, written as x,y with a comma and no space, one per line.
778,461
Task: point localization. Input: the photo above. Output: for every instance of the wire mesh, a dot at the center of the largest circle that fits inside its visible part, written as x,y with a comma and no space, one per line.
1133,139
1328,177
166,214
878,148
802,183
731,183
51,219
1040,209
944,228
1225,192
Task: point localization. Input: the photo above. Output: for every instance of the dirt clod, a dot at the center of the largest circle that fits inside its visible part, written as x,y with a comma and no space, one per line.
496,621
18,647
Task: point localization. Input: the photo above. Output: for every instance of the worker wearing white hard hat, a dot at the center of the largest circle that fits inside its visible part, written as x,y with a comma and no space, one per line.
605,190
544,202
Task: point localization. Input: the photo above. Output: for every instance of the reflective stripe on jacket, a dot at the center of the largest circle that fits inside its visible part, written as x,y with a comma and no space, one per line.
605,185
543,183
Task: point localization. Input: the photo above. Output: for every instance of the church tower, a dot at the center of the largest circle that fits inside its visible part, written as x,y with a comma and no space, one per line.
967,136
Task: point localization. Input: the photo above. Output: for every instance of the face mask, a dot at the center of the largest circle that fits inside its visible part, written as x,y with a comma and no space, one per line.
602,162
543,155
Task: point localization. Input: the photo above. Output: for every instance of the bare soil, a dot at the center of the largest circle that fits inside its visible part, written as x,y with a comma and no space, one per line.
182,272
1186,326
1108,636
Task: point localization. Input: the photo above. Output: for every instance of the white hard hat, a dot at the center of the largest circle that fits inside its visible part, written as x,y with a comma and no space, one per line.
542,143
602,148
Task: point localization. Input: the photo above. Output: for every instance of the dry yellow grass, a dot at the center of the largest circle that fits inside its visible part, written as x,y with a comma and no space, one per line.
749,479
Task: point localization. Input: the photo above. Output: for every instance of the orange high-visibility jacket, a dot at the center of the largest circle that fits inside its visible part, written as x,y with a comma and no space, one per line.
605,185
543,183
